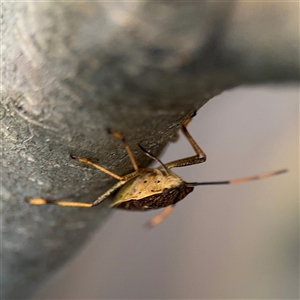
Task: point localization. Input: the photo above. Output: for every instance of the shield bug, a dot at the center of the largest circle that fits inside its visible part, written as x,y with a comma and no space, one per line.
150,188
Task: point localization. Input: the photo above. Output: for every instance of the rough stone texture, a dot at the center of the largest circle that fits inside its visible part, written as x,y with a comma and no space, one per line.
70,70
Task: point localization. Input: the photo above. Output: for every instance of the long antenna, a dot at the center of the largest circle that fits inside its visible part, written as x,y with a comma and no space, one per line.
154,158
240,180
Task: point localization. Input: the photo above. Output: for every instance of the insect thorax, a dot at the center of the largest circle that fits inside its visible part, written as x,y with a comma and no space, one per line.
152,190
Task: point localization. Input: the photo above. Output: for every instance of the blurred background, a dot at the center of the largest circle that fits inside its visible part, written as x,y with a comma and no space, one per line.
238,241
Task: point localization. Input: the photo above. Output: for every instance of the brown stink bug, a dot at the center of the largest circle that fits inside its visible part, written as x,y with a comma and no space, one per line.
150,188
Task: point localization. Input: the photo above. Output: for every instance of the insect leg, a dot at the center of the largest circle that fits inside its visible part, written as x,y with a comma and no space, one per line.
157,219
108,193
200,156
89,162
124,141
123,180
41,201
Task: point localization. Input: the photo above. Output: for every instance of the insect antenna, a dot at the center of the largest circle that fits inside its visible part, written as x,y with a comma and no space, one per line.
239,180
154,158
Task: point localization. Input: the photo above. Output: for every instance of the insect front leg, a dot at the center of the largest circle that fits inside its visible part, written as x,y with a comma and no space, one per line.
200,156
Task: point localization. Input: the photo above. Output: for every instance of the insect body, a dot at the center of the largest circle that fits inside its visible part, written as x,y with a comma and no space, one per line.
150,188
151,191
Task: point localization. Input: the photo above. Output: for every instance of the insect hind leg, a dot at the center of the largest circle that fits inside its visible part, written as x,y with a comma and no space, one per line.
160,217
42,201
